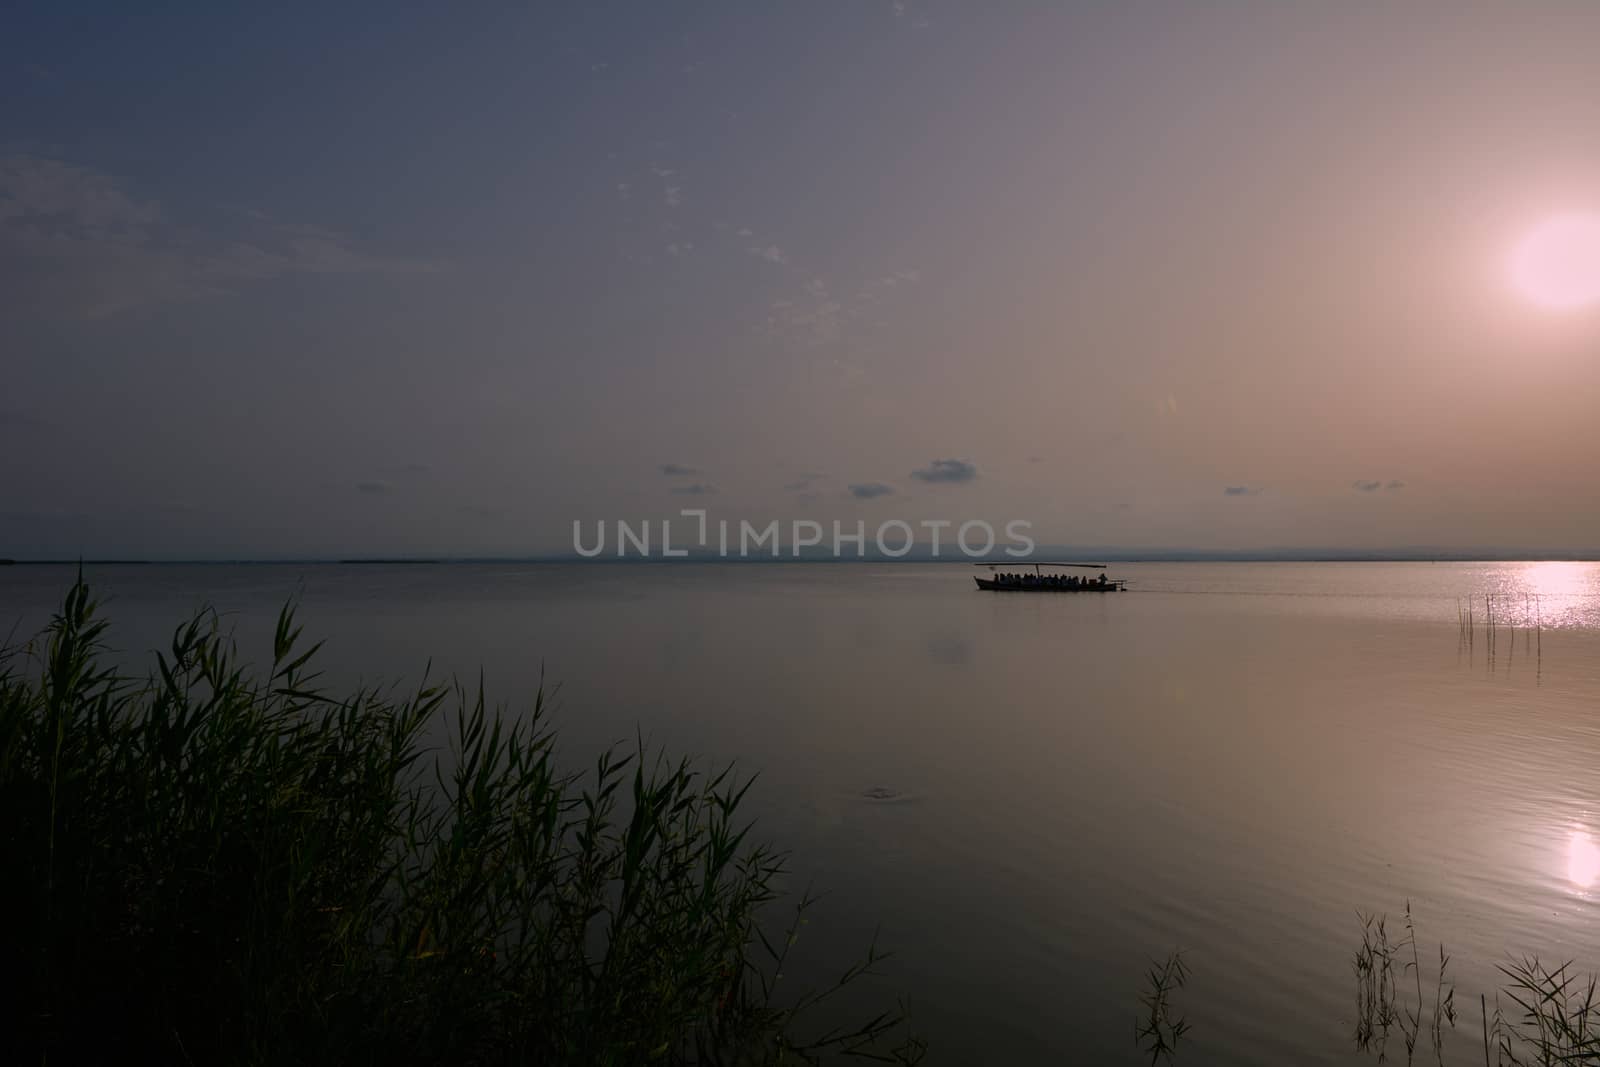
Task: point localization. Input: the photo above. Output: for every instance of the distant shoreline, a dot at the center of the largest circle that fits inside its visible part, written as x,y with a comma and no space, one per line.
1099,556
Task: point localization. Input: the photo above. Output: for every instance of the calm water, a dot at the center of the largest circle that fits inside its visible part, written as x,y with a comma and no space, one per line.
1029,796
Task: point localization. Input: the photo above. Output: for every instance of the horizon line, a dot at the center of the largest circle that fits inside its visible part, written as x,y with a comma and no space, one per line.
1413,554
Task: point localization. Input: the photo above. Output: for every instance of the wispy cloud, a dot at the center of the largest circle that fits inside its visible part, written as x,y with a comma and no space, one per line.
870,490
946,472
45,516
374,488
677,470
816,316
82,243
697,489
20,419
1241,490
771,253
1375,486
804,482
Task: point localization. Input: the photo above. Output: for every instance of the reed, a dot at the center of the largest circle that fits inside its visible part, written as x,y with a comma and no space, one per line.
1558,1021
208,865
1381,1009
1157,1030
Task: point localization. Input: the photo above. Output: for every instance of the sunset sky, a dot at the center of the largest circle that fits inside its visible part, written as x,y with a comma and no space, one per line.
319,280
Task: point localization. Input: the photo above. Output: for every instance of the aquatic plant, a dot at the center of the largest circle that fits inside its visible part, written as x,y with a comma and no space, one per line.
1156,1030
209,866
1379,1009
1558,1024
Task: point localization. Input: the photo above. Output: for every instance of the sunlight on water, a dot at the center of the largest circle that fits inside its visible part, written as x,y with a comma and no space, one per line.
1583,860
1558,578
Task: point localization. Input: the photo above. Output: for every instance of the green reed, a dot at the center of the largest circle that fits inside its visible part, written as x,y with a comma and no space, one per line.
209,865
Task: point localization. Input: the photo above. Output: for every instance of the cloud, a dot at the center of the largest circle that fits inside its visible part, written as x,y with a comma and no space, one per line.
947,472
1366,487
374,488
804,482
697,489
21,419
814,318
31,517
677,470
771,253
1240,490
1395,485
77,242
870,490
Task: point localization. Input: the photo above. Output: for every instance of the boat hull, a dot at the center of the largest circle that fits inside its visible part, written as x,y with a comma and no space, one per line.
997,586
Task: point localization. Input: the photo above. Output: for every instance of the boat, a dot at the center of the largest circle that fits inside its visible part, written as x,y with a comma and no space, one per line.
1006,581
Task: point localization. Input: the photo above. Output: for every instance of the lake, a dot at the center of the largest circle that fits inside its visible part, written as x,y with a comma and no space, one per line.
1030,797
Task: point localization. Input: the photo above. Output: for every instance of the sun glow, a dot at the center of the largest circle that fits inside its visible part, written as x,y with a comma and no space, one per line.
1557,265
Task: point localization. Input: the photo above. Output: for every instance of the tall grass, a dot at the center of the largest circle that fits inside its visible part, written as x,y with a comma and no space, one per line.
209,865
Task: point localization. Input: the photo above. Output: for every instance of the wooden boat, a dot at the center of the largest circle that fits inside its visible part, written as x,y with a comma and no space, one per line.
1039,582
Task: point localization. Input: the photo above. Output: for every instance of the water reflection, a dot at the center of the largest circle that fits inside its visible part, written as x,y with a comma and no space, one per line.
1556,593
1085,785
950,649
1583,860
1557,578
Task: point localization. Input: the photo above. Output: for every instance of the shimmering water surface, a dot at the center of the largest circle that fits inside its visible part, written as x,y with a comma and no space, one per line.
1027,797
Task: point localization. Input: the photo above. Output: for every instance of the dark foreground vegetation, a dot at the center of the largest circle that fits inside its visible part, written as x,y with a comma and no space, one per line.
1406,1008
212,866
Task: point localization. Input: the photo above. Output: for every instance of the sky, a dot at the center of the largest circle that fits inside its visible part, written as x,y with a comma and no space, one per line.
346,280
